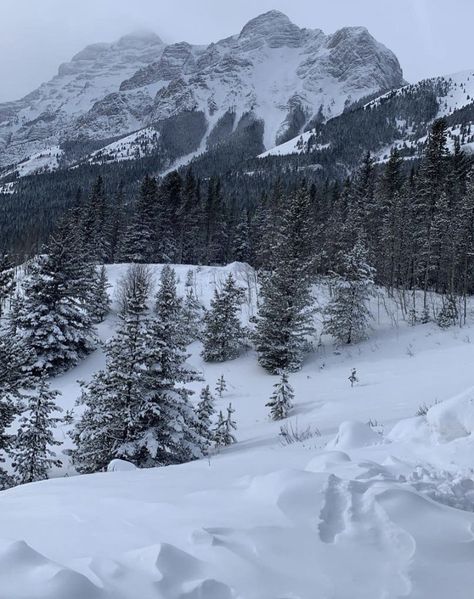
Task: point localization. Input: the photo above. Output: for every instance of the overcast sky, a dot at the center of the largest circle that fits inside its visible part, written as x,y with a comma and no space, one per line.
430,37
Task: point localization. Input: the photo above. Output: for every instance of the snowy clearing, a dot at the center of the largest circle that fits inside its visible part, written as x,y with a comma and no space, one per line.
356,511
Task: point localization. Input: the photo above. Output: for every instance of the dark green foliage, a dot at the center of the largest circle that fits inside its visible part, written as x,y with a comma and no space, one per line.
223,333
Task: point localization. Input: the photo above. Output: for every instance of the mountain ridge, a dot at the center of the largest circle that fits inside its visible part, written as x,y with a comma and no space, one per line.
272,72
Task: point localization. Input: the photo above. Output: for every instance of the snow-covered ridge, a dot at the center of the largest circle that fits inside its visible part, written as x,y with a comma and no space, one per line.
453,92
274,70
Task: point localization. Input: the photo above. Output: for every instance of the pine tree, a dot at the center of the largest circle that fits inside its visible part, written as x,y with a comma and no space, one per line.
7,280
347,315
8,411
192,312
223,334
170,200
204,413
53,317
392,226
15,364
241,240
431,185
448,315
214,223
281,400
223,435
221,385
168,306
138,408
285,317
100,304
95,229
111,398
166,426
32,457
140,242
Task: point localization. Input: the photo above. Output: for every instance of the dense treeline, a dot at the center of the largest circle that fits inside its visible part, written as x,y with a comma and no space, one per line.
416,224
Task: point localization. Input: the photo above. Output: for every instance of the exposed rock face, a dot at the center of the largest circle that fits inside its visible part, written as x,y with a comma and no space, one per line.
281,74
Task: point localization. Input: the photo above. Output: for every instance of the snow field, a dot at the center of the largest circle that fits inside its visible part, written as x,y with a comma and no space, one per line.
358,511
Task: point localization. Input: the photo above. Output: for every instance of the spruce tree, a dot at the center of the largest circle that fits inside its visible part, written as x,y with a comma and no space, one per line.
100,300
347,315
32,456
285,317
138,408
204,413
53,316
223,333
140,241
8,411
95,225
221,385
112,397
7,280
281,400
192,312
223,435
166,428
448,315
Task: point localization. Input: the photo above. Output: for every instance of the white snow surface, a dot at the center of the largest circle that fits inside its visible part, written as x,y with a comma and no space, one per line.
375,503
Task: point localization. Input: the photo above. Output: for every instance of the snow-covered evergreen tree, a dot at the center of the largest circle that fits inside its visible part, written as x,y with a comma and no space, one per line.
8,410
347,315
281,400
52,316
223,334
139,243
204,412
15,364
223,434
221,385
448,315
7,282
168,306
285,317
112,397
192,312
166,430
138,408
32,456
100,300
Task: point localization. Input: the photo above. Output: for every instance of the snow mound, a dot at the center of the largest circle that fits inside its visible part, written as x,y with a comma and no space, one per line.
120,466
353,435
39,576
453,418
327,460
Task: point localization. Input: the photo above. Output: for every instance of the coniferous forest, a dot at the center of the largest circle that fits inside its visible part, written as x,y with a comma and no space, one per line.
408,228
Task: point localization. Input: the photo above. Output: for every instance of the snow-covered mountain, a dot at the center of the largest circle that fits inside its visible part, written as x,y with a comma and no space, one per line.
272,72
397,119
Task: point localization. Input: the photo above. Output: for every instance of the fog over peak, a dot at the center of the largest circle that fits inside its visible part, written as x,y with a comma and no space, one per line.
36,37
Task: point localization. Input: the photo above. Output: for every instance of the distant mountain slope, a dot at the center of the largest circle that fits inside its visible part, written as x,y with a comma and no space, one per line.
399,118
273,73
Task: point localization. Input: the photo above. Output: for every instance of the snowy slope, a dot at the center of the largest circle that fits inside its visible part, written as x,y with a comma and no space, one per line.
451,93
131,147
359,512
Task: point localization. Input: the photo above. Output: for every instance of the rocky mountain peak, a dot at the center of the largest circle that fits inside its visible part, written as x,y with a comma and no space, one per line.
273,27
139,38
283,75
